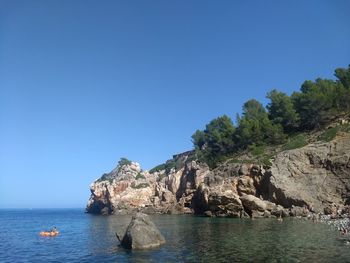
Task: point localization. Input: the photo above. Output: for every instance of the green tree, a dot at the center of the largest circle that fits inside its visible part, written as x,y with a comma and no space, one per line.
343,89
253,109
341,99
343,75
320,101
281,110
255,127
317,103
198,139
215,141
123,161
219,134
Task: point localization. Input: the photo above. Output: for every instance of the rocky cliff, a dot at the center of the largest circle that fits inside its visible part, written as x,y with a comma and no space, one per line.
313,178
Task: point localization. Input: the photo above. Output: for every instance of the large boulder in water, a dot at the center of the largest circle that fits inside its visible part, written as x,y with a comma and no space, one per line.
141,234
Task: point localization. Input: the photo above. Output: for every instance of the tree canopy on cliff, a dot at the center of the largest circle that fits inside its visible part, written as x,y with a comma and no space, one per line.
123,161
281,111
216,140
318,103
255,127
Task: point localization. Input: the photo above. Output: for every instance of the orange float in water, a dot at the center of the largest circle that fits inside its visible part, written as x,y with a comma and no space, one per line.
48,233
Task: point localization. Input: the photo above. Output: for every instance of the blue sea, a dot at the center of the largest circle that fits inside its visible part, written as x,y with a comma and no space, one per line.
91,238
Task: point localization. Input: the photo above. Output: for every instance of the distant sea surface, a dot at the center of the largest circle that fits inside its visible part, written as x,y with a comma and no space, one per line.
90,238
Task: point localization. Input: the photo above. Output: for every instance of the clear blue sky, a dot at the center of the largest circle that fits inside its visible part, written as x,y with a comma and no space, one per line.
83,83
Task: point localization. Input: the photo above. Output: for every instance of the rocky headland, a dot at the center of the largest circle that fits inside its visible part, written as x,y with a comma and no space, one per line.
312,181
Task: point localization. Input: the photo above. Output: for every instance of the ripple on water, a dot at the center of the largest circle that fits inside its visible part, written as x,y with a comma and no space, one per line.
89,238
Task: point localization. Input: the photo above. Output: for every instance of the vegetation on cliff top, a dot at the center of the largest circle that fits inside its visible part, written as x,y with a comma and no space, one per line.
124,161
284,120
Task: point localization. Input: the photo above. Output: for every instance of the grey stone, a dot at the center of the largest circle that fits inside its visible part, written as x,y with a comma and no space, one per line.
244,169
267,214
312,176
141,234
299,211
208,213
252,203
246,186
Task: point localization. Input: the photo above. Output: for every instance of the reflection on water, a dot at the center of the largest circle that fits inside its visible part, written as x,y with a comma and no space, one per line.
199,239
89,238
102,233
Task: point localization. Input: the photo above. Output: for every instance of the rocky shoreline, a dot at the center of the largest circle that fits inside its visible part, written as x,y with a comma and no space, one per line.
340,224
338,219
311,182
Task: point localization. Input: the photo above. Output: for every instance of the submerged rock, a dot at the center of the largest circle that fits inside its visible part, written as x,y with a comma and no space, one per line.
140,234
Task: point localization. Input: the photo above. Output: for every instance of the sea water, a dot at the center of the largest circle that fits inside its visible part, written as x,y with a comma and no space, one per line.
90,238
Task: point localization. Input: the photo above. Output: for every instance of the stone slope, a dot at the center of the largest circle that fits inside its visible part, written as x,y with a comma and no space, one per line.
316,175
311,178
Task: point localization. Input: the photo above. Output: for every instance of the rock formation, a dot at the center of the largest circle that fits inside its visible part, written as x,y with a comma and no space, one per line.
124,187
141,234
312,178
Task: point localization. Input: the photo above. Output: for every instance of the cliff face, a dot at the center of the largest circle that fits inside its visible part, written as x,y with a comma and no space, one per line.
128,188
124,187
316,175
310,178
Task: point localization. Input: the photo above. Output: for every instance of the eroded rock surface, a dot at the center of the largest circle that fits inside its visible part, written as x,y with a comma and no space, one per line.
314,176
310,179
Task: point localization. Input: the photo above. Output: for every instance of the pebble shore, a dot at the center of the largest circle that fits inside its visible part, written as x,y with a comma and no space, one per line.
341,223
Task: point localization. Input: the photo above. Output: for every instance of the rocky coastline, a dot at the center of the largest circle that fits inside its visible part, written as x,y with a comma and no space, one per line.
311,182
